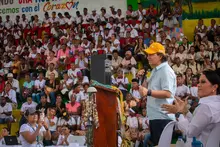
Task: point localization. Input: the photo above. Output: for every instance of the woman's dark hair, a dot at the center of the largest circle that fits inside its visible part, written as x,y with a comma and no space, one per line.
199,38
213,77
142,45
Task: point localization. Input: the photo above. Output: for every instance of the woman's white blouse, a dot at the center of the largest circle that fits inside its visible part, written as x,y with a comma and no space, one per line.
201,122
25,128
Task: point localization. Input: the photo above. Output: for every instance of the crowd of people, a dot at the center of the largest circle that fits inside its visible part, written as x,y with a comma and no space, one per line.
45,65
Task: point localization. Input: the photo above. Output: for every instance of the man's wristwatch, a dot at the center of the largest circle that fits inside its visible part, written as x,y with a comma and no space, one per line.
177,115
149,92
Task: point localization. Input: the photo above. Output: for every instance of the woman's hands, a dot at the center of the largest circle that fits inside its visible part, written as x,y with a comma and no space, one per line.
178,106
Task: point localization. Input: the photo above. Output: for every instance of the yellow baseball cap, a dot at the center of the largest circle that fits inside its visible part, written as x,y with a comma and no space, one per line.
155,48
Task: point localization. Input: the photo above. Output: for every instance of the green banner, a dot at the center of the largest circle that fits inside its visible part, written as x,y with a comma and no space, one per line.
192,9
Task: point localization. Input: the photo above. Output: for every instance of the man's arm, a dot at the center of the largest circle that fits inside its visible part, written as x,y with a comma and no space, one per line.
160,94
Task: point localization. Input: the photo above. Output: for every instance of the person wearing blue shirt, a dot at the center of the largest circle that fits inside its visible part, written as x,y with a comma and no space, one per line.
161,90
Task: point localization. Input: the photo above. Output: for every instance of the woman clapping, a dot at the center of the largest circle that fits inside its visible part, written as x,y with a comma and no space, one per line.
35,131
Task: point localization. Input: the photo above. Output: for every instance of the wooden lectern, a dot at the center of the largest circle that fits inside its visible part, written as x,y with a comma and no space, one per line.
106,134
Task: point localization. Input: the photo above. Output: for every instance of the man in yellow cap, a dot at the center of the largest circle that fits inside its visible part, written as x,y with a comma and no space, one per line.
161,90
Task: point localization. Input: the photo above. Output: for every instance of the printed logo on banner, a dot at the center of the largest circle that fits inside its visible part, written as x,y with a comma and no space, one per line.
49,6
9,7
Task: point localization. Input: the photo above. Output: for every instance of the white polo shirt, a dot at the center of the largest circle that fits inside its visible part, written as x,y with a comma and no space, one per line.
51,128
6,108
85,18
28,128
11,95
182,90
26,106
71,73
8,24
79,96
122,80
39,84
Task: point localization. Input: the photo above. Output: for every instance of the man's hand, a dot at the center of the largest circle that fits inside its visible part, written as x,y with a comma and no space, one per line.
143,91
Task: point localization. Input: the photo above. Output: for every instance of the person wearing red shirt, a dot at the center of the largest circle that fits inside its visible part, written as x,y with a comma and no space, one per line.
151,12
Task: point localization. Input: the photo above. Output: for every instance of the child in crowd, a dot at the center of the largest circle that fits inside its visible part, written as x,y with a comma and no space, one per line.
182,90
129,103
132,125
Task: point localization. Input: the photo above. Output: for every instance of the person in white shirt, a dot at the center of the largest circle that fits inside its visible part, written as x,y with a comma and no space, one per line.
39,85
66,84
132,123
7,64
182,90
34,131
29,104
68,18
121,82
193,99
10,94
6,113
61,20
80,79
85,43
119,14
72,72
77,93
24,22
104,16
113,12
50,70
170,22
54,19
115,42
46,20
135,90
141,12
8,23
65,136
25,106
107,34
205,116
94,16
134,33
111,25
86,16
78,18
51,120
144,126
13,82
129,63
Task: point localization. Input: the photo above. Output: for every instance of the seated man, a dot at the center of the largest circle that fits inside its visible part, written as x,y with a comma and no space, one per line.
77,92
6,113
170,22
72,72
10,95
129,63
29,104
51,120
50,70
116,61
182,90
13,82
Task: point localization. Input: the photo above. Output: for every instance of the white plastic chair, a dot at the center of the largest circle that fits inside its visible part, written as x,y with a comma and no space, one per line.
214,138
166,136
